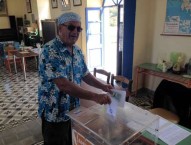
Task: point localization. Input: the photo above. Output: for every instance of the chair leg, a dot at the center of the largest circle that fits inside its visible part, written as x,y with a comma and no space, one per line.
127,99
21,64
7,65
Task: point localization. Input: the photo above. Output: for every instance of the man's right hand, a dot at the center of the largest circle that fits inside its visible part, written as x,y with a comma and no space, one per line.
102,99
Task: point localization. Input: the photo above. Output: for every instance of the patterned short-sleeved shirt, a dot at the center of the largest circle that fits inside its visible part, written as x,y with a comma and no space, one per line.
56,62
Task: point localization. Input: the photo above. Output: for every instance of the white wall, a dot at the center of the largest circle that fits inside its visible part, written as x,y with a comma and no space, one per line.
4,23
14,7
43,7
164,45
94,3
149,44
143,34
18,9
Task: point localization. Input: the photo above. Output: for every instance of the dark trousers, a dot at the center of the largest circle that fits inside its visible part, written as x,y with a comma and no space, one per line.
56,133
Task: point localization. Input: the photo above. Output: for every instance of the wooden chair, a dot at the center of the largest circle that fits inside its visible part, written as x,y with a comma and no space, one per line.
166,114
103,73
163,103
122,82
10,60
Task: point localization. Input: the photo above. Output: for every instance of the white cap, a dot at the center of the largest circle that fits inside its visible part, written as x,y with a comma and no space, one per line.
67,17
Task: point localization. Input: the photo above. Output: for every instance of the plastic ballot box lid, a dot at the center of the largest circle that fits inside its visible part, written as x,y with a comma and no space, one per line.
91,126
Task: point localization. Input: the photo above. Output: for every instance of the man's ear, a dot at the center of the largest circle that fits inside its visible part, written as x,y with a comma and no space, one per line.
59,28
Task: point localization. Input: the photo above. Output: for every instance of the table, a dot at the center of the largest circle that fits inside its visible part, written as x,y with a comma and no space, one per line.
23,55
151,69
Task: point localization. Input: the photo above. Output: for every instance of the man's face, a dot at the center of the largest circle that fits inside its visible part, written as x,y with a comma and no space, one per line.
69,32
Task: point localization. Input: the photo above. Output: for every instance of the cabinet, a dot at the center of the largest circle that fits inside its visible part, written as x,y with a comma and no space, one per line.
49,29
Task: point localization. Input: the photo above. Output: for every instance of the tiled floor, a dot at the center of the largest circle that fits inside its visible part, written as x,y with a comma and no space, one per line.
19,124
26,134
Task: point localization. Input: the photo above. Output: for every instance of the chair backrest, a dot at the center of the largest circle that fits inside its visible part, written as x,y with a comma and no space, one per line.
4,46
121,80
7,49
122,83
102,72
10,52
16,45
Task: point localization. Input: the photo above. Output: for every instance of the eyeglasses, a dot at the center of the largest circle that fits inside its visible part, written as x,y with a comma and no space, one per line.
72,27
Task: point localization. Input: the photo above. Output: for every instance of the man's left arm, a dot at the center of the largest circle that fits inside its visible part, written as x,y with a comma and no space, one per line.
93,81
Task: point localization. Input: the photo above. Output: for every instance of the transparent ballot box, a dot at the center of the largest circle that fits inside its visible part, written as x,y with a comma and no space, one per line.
131,125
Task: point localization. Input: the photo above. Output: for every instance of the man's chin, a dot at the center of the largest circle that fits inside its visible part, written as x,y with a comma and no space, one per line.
73,41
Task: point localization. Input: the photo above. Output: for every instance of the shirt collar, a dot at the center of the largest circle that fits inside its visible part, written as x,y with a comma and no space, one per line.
58,39
63,49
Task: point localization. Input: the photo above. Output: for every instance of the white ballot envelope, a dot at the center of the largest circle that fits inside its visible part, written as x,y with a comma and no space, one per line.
117,100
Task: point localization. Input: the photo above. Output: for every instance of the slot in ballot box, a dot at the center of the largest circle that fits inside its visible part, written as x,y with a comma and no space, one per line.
131,125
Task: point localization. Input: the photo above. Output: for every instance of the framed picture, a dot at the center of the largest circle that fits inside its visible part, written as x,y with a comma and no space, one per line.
54,4
77,2
65,5
3,8
28,4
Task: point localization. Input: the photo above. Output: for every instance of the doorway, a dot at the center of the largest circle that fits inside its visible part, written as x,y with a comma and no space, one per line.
110,38
104,29
94,38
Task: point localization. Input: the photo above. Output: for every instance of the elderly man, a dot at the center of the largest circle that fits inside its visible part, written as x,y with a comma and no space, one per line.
62,68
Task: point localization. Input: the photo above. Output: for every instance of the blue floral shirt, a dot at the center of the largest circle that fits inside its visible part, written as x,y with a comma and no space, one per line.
56,62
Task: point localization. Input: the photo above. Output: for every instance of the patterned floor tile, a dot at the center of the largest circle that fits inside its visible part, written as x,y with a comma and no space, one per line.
18,98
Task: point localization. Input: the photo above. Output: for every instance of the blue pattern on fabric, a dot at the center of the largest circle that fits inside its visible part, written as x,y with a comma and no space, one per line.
67,17
56,62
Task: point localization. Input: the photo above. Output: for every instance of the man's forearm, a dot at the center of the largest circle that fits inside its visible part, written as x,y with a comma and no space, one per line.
74,90
92,81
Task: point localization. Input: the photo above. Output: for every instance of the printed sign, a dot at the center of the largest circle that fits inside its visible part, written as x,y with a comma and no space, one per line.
178,17
78,139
